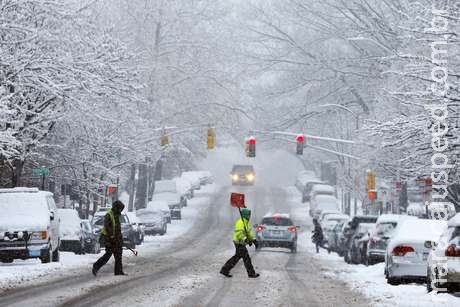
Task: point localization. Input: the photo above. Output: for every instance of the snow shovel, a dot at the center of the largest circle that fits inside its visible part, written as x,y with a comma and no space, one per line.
133,250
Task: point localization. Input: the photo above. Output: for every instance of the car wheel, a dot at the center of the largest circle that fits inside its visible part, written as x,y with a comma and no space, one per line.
294,248
6,260
46,258
56,255
429,288
346,256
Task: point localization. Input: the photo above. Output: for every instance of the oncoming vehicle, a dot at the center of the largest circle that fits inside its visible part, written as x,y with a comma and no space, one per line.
138,229
70,231
243,175
29,225
445,255
160,205
277,230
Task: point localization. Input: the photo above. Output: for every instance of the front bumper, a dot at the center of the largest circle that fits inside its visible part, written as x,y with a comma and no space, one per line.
278,243
153,229
19,250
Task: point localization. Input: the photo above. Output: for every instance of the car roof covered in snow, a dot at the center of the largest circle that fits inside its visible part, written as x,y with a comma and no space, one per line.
393,218
454,221
165,186
158,204
417,231
323,188
279,215
336,216
326,198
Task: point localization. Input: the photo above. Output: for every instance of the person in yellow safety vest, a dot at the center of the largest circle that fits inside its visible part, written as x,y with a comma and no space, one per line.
242,235
113,239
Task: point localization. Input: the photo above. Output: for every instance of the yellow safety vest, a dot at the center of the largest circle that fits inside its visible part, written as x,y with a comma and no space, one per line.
242,232
112,218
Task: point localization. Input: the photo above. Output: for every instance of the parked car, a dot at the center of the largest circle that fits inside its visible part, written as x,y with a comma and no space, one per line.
126,228
193,178
381,235
162,206
184,187
277,230
303,178
349,230
320,203
90,238
322,189
445,255
173,200
406,255
308,186
205,177
138,228
335,236
356,251
243,175
29,225
168,187
154,221
329,221
72,238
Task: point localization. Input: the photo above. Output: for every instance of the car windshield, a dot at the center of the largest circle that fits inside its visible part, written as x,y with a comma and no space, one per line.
276,221
385,229
86,226
242,169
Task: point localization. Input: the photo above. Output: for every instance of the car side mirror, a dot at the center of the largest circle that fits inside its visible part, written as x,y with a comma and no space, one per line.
429,244
51,216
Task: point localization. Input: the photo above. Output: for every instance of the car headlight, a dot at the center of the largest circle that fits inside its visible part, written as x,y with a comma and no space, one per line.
235,177
250,177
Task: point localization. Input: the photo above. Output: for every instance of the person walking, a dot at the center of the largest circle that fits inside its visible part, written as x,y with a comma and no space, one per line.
113,239
317,237
242,235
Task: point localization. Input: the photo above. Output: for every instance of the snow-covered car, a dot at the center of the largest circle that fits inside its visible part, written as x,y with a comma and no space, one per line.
322,189
357,242
70,231
335,235
243,175
277,230
126,228
307,187
380,236
162,206
205,177
138,229
90,238
167,190
406,255
154,222
173,201
29,225
321,203
184,187
445,254
193,178
325,214
303,178
349,230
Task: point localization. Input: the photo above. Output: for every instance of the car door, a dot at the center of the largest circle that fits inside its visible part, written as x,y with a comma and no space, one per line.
54,224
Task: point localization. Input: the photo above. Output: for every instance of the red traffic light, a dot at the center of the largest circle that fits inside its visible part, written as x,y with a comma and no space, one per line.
300,138
252,140
372,195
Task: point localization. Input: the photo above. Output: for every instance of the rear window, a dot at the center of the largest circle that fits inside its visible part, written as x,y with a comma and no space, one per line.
385,229
276,221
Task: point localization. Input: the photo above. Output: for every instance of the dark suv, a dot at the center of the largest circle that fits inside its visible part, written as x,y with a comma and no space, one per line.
351,229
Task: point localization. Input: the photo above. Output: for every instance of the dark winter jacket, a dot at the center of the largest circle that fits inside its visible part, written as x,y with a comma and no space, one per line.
317,234
112,226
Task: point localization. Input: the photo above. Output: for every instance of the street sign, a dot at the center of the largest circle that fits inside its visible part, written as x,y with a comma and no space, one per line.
237,200
40,171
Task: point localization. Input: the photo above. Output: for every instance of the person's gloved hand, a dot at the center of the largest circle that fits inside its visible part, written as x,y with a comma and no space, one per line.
256,244
249,242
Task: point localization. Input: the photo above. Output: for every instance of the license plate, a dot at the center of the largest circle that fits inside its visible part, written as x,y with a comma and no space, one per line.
34,253
425,256
276,232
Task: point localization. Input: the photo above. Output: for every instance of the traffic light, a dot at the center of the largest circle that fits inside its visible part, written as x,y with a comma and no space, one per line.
300,140
372,194
164,139
370,180
251,147
211,138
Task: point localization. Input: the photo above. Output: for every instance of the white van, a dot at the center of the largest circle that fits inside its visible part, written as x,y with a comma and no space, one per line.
29,225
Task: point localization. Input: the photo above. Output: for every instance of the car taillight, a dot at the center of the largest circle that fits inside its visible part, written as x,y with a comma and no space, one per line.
452,251
402,250
260,228
292,229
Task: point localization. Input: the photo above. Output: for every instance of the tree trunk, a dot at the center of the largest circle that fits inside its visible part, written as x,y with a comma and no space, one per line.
141,191
17,172
132,188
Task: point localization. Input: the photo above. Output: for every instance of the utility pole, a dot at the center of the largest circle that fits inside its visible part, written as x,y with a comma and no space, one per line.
132,187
